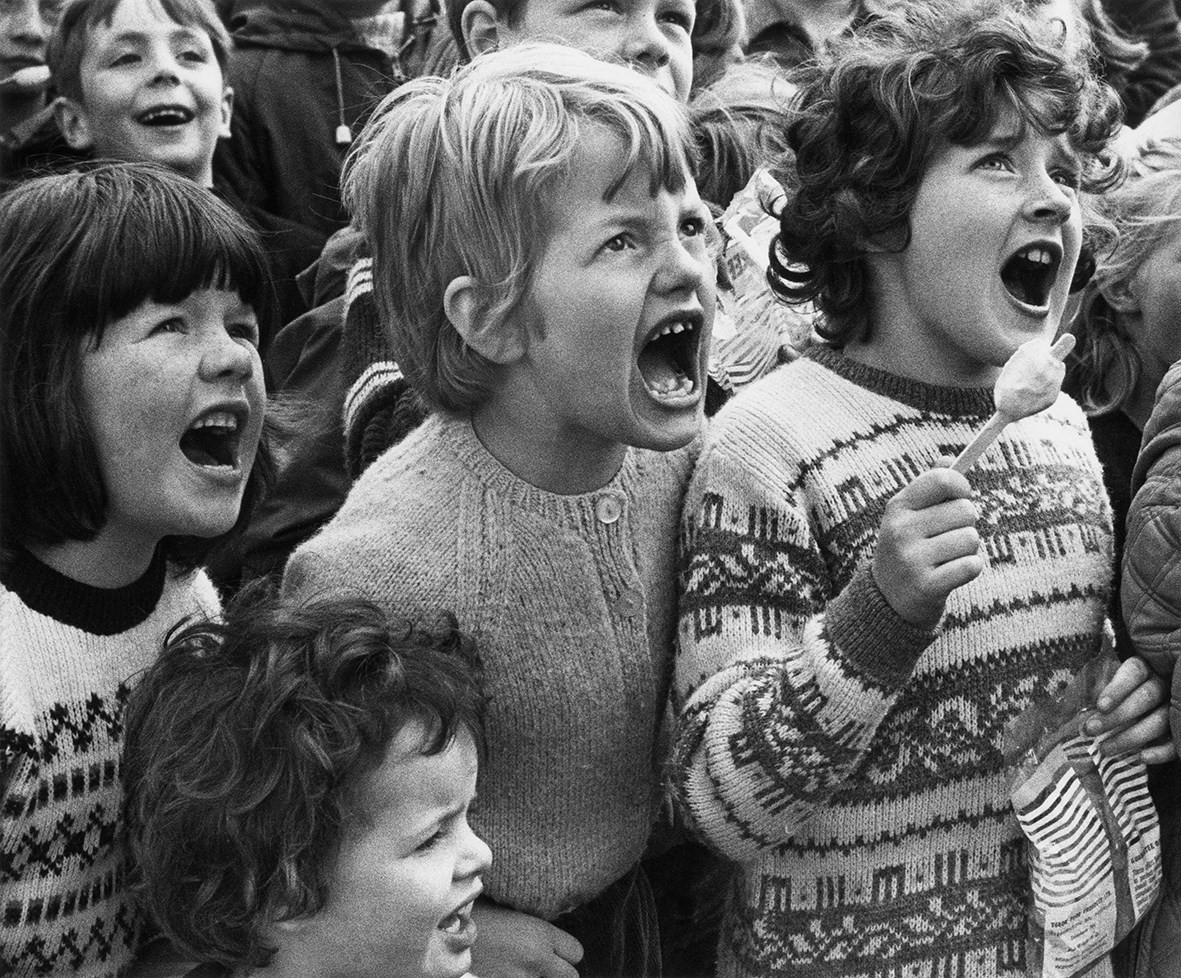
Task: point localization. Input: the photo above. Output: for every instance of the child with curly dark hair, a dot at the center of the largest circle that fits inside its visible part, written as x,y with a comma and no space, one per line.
858,622
298,779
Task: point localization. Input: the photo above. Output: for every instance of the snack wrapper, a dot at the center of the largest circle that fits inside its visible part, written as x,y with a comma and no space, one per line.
1092,833
754,331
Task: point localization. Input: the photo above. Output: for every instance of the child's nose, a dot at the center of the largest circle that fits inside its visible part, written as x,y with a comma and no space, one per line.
28,26
166,67
477,856
682,268
646,47
1049,201
226,356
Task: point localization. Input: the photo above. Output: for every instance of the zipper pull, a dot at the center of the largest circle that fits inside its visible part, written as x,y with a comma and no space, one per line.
344,135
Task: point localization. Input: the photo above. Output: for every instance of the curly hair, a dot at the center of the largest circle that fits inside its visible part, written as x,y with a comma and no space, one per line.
1106,368
245,741
875,108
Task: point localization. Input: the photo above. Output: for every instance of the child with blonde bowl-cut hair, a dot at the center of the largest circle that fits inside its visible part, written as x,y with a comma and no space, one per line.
539,246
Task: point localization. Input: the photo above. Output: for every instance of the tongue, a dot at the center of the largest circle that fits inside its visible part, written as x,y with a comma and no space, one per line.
657,370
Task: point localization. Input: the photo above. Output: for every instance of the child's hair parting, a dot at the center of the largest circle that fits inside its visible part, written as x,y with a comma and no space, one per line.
872,111
1144,209
450,176
77,251
79,18
247,745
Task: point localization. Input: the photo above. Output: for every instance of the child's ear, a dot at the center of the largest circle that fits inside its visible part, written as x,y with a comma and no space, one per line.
480,24
73,122
1120,297
498,340
227,113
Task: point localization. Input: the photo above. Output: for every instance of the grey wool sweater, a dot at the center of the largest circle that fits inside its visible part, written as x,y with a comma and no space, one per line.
571,601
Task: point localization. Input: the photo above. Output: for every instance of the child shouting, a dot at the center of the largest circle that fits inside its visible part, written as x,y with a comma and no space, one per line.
299,779
131,406
858,624
540,246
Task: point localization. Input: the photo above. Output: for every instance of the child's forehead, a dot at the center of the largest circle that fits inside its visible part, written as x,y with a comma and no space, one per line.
138,19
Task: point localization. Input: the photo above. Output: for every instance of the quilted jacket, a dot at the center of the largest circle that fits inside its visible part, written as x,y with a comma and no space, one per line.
1151,598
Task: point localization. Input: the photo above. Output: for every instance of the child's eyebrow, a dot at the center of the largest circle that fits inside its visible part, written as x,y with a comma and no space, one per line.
141,37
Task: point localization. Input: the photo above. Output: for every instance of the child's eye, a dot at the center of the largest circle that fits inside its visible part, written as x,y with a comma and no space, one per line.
1069,178
680,18
427,844
173,325
621,242
995,161
126,58
693,227
246,330
194,55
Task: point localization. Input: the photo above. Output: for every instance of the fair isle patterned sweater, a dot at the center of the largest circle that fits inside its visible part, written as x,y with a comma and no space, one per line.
849,761
68,656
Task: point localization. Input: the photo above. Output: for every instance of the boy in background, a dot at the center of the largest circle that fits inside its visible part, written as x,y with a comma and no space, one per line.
539,249
145,81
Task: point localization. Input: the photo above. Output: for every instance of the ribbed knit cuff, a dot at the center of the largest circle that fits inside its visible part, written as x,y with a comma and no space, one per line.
871,635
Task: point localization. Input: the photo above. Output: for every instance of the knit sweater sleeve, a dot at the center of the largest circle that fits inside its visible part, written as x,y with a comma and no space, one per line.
782,676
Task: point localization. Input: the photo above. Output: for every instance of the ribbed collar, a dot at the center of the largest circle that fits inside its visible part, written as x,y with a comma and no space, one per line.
972,402
97,610
577,510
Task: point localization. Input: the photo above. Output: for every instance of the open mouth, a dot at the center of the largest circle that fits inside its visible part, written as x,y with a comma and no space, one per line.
669,360
1030,273
459,923
213,439
166,115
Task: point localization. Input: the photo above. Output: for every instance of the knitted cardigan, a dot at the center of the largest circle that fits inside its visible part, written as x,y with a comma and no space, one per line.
849,760
571,601
68,656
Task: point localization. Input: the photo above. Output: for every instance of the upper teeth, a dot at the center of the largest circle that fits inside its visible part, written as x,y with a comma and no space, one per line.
158,113
217,419
677,327
1039,255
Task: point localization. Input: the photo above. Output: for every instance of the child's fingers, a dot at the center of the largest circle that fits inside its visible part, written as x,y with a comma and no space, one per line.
947,516
566,946
1148,732
953,545
1128,678
955,573
934,486
1145,698
1159,753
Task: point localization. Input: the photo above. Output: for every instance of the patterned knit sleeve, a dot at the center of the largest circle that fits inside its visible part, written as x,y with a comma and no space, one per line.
781,678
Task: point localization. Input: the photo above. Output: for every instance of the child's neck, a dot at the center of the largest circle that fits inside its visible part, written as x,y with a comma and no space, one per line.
102,562
549,458
894,355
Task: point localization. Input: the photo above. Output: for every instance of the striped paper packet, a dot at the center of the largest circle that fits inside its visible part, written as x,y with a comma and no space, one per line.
1092,834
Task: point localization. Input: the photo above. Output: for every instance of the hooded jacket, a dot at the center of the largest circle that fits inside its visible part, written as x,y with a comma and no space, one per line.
301,76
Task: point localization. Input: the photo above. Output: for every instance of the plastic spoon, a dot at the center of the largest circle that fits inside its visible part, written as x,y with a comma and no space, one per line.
1029,382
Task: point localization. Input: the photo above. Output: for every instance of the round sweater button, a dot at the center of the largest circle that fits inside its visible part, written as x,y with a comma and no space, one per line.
608,509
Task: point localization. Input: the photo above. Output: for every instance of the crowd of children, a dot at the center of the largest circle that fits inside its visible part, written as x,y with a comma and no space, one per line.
417,559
